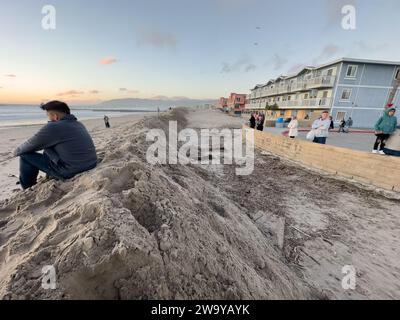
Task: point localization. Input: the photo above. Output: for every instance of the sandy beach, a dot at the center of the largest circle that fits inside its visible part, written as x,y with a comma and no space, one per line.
131,230
12,137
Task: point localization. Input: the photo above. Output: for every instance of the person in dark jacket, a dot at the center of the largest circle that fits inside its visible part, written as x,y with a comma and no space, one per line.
260,122
342,125
332,126
384,128
107,122
252,121
68,149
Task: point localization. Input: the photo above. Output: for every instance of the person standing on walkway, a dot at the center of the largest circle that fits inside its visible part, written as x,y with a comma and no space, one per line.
384,128
332,126
321,128
260,122
342,125
293,128
107,122
252,121
349,124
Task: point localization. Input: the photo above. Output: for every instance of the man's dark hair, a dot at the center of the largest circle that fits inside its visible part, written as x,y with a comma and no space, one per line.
56,106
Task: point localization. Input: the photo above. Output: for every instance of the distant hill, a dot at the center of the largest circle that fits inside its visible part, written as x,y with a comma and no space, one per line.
154,103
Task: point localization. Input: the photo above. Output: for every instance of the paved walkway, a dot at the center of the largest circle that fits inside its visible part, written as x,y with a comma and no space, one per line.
361,141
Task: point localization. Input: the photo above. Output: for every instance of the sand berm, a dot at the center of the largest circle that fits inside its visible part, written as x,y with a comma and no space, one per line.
131,230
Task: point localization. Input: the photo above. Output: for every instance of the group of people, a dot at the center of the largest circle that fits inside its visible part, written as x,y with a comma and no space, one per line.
257,121
386,130
345,126
320,128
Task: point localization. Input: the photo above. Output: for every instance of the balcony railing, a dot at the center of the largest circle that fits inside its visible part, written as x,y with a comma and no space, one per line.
301,103
313,83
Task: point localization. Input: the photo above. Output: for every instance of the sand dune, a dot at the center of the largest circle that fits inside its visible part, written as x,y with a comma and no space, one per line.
128,230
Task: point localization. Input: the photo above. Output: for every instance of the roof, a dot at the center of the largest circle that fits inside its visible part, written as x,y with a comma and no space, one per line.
308,68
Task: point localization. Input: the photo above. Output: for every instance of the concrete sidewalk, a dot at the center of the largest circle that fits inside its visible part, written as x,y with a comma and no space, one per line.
361,141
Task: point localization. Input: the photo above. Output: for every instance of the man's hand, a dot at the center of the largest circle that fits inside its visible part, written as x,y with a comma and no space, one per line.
15,153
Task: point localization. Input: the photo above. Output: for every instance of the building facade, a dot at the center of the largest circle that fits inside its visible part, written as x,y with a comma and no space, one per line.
236,103
222,103
347,88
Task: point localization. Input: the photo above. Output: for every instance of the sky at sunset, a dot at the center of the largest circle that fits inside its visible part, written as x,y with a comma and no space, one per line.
103,50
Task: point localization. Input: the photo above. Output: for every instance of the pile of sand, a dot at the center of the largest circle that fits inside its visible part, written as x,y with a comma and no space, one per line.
129,230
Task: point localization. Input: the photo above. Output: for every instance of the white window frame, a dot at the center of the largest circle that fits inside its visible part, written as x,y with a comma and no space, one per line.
397,74
340,119
355,73
341,96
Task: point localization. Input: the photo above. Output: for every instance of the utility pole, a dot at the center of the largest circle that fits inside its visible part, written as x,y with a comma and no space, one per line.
396,86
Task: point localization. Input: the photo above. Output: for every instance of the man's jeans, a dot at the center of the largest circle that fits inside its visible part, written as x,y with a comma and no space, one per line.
320,140
31,164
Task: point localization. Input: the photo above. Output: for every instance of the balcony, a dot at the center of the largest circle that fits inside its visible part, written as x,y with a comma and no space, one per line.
321,82
306,103
299,85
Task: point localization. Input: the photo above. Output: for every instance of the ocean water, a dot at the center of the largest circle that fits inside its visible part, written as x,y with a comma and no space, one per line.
16,115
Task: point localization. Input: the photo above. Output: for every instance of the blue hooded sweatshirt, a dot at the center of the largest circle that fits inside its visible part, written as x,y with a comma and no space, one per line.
67,143
386,123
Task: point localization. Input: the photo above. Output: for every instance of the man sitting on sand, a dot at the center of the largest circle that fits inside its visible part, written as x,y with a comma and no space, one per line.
67,148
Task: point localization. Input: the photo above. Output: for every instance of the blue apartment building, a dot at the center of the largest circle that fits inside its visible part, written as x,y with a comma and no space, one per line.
355,88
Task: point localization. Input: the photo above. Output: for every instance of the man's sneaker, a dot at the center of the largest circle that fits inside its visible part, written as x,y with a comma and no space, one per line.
375,151
382,153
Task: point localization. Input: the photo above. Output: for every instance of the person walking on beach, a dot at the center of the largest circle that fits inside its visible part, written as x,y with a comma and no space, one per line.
293,128
68,148
107,122
321,128
384,128
252,121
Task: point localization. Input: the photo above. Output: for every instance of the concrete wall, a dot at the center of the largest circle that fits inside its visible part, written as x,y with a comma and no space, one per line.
376,170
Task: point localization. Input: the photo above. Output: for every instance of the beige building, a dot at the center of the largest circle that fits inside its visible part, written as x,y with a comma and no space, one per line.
302,94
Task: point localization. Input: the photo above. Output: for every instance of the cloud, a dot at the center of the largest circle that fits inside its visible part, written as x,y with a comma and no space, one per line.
160,97
70,93
108,61
296,68
366,47
328,52
128,90
180,98
250,67
242,64
278,61
155,38
94,92
10,75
